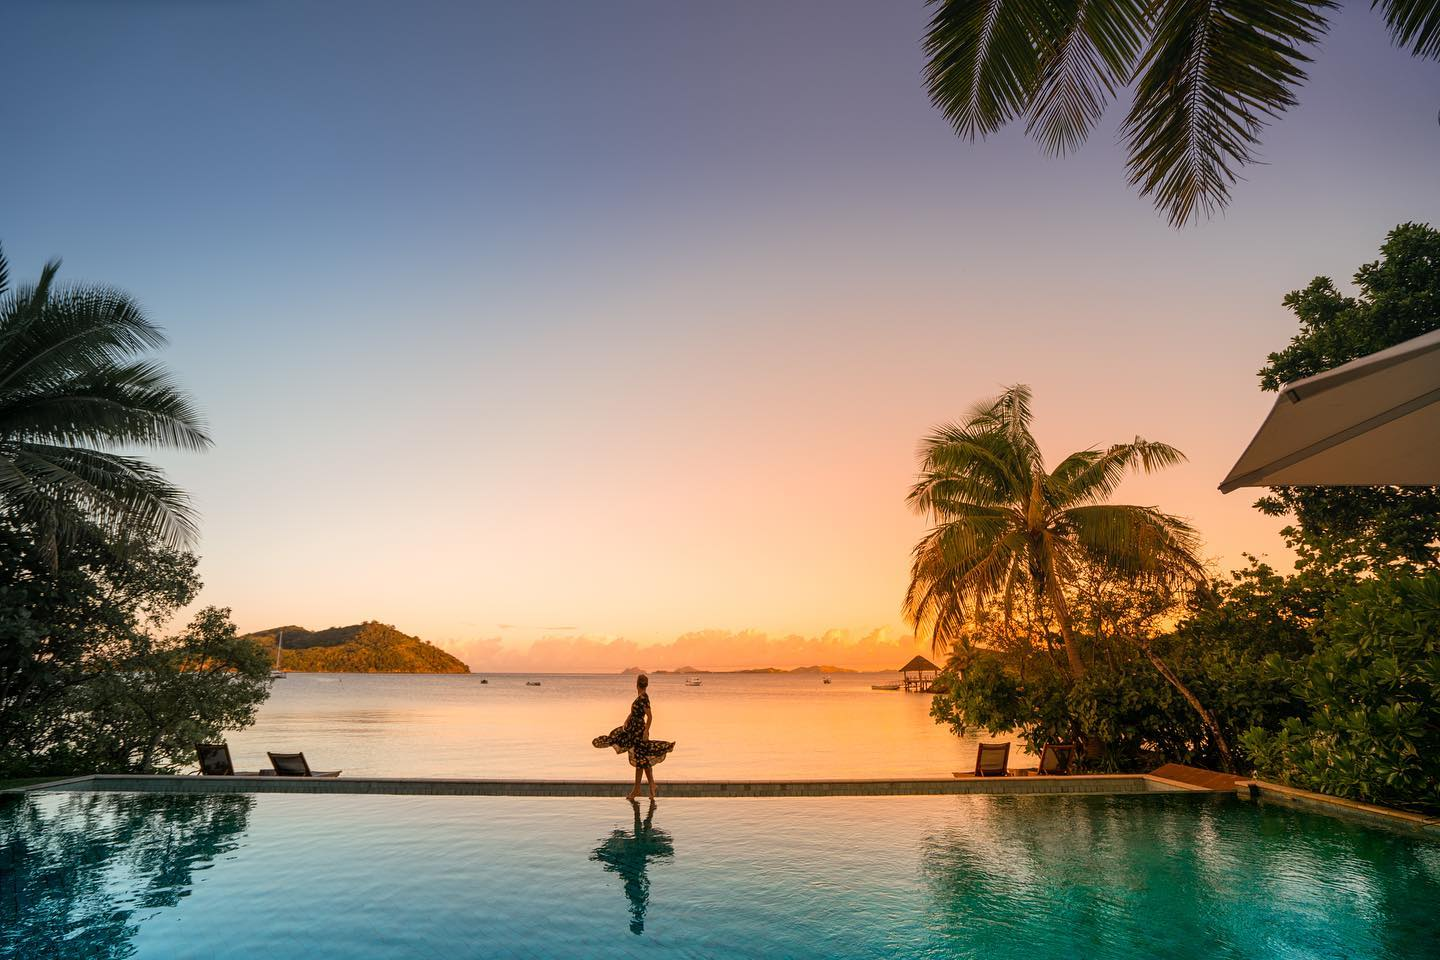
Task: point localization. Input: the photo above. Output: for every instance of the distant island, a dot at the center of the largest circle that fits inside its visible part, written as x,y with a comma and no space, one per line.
369,647
818,668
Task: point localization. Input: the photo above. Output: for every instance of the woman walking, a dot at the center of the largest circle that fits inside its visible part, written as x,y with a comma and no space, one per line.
633,738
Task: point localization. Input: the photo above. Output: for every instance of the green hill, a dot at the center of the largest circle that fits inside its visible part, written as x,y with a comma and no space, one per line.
369,647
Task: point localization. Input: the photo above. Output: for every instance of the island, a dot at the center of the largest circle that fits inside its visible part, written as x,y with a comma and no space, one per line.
818,668
369,647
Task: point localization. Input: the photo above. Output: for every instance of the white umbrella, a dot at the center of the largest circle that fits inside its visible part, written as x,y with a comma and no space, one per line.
1374,421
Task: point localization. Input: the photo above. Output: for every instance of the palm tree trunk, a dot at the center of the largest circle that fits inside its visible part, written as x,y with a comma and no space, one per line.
1206,717
1062,616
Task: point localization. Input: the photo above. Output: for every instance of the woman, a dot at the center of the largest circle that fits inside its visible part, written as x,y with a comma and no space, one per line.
633,737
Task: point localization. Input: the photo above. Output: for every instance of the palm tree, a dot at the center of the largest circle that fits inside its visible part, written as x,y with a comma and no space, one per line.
1002,523
73,394
1206,77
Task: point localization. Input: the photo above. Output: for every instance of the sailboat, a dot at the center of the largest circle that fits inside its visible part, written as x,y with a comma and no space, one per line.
277,673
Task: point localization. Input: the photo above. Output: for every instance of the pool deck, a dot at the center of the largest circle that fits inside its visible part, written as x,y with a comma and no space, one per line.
422,786
1262,792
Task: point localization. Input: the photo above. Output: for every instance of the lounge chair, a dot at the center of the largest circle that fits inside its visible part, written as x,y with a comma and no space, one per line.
991,759
1057,759
294,765
215,760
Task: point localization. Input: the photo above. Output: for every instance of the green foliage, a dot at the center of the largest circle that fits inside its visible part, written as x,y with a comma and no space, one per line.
1398,299
88,680
1205,77
1371,693
149,702
73,395
369,647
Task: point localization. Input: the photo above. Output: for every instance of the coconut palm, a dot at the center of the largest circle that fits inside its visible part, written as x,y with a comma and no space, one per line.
74,394
1003,523
1206,77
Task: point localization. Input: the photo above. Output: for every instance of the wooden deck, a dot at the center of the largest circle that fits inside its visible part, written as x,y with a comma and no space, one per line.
1197,777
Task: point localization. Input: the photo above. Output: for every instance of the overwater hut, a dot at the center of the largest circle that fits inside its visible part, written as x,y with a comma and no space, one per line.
918,675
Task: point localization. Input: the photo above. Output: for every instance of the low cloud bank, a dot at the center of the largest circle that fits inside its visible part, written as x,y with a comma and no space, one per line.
704,649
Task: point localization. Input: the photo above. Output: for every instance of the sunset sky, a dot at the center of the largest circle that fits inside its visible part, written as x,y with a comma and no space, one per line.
594,321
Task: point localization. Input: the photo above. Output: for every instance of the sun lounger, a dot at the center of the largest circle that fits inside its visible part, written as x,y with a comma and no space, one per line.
991,759
1057,759
294,765
215,761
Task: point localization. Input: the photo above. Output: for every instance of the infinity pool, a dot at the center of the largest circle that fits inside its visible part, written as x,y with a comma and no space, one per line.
300,876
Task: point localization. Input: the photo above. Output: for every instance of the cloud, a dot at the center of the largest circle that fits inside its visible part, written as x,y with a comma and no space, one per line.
880,649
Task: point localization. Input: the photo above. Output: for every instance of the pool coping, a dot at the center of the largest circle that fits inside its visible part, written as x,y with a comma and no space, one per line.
1074,784
1374,814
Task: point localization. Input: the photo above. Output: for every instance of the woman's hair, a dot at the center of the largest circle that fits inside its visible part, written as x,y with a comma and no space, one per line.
642,681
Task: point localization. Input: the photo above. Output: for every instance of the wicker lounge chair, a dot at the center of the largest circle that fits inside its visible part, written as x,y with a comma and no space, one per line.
991,759
294,765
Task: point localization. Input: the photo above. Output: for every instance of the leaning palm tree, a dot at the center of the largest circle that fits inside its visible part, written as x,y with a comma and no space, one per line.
1003,523
1206,77
73,396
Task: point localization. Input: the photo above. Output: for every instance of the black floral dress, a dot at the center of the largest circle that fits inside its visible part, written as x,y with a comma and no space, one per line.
630,738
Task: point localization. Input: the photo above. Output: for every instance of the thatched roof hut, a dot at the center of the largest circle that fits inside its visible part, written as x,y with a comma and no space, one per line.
918,675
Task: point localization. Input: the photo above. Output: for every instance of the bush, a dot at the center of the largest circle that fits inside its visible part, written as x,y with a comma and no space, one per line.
1370,727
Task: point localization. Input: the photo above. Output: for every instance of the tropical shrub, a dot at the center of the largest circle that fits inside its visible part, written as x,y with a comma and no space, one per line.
1371,695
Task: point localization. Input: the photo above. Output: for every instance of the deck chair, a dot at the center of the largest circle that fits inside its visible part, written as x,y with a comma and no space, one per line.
294,765
215,760
991,759
1057,759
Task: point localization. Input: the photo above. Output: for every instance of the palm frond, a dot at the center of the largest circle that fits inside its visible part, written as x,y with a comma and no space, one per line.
1089,476
1214,72
1081,68
1414,24
1138,542
122,495
73,391
133,403
4,272
983,60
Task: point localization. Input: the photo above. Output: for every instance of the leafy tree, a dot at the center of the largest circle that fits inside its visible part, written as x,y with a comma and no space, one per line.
1005,525
1206,77
73,393
1371,692
89,681
1398,299
150,701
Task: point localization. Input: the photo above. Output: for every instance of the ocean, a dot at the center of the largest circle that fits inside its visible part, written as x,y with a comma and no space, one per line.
734,726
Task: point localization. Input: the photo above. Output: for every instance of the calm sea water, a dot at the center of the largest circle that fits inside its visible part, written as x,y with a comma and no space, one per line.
742,726
1001,878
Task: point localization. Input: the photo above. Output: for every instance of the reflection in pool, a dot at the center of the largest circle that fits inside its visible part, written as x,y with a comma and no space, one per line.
629,854
1000,878
79,871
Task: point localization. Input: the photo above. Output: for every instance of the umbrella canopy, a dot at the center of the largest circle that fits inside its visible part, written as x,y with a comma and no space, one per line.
1374,421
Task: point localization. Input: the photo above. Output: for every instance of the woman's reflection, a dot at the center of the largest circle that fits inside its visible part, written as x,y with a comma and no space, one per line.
629,854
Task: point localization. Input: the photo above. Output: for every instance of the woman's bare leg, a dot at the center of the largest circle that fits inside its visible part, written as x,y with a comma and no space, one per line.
636,792
650,775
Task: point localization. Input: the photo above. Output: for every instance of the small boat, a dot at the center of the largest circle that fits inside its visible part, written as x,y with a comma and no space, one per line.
532,683
825,680
483,680
884,686
693,682
277,673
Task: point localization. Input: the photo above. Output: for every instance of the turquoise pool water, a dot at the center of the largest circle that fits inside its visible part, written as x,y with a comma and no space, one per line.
314,877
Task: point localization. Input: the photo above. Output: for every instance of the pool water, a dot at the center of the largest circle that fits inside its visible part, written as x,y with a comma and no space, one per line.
306,876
